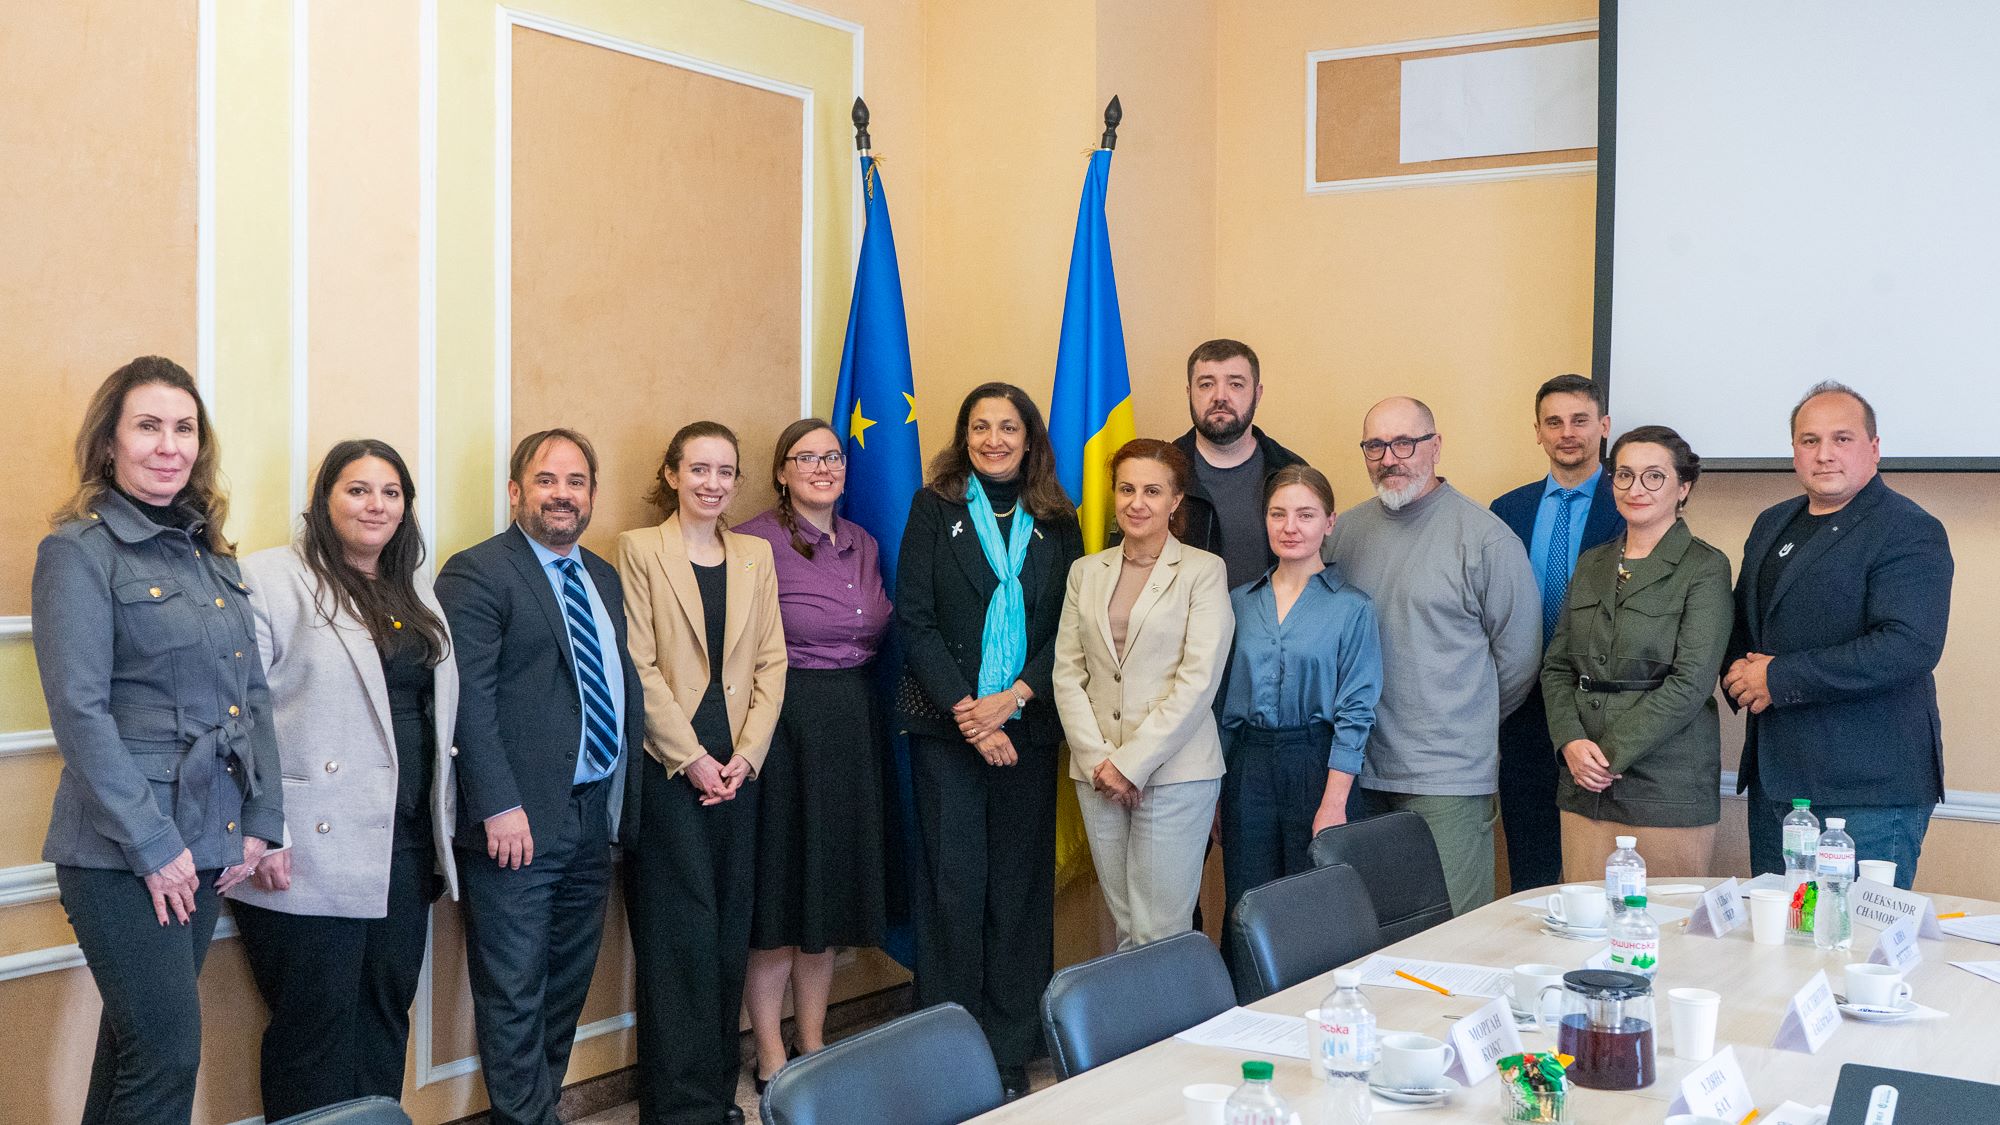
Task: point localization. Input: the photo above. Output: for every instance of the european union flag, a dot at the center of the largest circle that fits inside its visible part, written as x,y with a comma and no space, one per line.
1091,414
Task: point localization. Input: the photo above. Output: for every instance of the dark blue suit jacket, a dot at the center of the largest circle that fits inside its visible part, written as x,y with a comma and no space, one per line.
1854,628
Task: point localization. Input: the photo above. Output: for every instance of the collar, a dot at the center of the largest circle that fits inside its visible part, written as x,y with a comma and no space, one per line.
1415,506
1170,553
814,537
129,524
1586,490
544,556
1328,576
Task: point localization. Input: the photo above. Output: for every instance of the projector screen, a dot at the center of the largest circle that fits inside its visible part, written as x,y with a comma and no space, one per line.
1798,190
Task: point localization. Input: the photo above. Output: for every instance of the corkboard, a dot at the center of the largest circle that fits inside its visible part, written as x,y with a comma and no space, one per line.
656,263
1359,118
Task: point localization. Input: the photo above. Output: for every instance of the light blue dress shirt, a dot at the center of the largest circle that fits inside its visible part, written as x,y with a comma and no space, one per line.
1545,520
1321,666
607,643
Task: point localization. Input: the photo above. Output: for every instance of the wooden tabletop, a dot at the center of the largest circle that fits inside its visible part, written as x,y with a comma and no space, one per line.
1756,983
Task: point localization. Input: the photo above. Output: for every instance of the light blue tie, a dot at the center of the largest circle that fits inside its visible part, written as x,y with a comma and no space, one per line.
1555,568
600,717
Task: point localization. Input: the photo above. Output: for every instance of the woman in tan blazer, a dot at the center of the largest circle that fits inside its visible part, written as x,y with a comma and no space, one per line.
1144,635
702,623
364,693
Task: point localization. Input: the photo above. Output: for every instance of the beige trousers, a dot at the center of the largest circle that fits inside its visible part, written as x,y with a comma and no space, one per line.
1681,853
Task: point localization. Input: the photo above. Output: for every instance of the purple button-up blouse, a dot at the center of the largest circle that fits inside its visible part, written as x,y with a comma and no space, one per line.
834,609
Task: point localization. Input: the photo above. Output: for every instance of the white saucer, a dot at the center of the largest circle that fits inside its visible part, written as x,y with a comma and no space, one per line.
1560,926
1429,1096
1554,930
1870,1014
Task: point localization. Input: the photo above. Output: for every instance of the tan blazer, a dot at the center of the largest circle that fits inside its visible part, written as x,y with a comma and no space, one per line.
1149,713
337,745
668,638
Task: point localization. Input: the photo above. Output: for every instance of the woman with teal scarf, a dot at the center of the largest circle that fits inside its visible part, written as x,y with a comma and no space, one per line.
985,556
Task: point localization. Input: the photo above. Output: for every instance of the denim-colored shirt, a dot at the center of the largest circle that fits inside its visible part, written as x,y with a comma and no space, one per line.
1545,522
607,643
1321,666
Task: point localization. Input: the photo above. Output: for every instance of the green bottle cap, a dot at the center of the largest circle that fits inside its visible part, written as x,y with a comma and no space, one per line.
1637,902
1801,802
1256,1072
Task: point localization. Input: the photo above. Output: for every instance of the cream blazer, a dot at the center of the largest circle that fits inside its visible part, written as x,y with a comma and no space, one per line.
668,638
1149,713
337,745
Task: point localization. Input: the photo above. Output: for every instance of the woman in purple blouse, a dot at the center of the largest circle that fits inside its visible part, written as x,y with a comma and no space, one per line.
819,823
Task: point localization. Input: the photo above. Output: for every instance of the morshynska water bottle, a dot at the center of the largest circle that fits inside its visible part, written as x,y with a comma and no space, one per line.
1347,1051
1624,873
1833,925
1254,1102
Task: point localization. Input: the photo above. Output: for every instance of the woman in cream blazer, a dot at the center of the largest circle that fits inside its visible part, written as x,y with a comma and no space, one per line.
334,924
1139,654
703,627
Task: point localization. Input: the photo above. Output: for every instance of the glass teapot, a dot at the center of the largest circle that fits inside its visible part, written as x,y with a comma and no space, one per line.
1607,1026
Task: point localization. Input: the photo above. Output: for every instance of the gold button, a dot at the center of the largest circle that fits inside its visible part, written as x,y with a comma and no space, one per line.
333,767
239,654
230,827
233,711
155,591
323,827
218,603
197,552
93,515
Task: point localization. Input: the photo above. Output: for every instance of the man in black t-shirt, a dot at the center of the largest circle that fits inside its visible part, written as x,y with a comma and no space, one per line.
1231,457
1841,609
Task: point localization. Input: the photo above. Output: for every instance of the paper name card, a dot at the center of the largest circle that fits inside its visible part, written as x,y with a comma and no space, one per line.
1810,1019
1879,905
1482,1038
1897,947
1716,1089
1720,911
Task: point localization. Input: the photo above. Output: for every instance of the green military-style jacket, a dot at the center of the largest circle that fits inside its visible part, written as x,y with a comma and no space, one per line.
1670,622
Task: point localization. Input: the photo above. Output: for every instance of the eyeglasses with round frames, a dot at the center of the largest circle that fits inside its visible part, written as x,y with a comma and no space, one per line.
1404,446
1653,479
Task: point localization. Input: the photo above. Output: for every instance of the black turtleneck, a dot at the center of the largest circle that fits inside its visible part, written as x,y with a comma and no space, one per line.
174,515
1002,494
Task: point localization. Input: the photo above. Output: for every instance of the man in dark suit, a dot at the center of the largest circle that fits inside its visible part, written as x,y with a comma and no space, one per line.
550,710
1231,459
1841,607
1558,517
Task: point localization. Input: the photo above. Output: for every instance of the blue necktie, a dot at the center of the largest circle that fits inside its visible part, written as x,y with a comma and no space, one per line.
600,718
1555,568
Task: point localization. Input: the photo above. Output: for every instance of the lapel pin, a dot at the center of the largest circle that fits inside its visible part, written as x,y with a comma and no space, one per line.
1038,533
956,528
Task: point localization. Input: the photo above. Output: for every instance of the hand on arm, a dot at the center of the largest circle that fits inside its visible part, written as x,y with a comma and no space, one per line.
274,872
996,748
1748,682
1588,765
253,853
1107,780
976,717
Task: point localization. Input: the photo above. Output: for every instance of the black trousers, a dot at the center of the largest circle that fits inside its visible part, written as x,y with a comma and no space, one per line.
688,895
531,941
986,892
1528,798
339,991
149,1037
1273,786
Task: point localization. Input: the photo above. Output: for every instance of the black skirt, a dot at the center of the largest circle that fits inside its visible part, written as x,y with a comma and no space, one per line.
820,874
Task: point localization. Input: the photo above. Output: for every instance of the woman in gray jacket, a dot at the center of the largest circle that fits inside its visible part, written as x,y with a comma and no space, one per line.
365,698
169,791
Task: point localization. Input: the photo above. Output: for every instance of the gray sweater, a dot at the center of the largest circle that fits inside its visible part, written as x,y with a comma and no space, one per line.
1460,616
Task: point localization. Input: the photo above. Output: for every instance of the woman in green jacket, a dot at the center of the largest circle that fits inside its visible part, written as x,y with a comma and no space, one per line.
1629,676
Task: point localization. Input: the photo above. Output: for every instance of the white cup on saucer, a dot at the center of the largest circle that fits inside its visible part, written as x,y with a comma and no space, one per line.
1578,907
1408,1061
1876,986
1205,1102
1526,990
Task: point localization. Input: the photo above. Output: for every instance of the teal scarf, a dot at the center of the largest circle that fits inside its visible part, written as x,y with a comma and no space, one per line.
1003,646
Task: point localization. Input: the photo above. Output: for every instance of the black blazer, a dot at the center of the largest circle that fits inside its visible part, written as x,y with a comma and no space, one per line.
1854,628
519,717
943,585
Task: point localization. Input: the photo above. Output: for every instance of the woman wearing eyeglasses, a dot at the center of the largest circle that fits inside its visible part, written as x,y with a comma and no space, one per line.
1630,674
819,821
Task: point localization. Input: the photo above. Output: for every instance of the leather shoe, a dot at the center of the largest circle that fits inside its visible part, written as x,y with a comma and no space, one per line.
1013,1082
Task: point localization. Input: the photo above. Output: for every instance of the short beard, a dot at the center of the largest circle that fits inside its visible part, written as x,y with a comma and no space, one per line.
1226,434
1396,499
531,522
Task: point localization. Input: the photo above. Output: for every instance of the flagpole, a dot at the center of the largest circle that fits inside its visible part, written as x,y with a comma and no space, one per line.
860,116
1113,114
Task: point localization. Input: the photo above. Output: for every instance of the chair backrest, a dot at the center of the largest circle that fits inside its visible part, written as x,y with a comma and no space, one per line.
356,1111
1398,860
931,1067
1297,927
1110,1007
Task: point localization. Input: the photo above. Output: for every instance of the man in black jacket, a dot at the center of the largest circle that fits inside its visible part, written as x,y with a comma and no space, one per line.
1232,457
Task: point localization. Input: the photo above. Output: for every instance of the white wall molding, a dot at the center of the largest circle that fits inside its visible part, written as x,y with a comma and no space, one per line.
16,743
30,882
17,625
56,958
301,246
1316,186
426,469
1958,804
858,217
204,223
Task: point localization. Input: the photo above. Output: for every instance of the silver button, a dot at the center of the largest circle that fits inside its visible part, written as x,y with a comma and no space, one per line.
454,751
333,767
323,827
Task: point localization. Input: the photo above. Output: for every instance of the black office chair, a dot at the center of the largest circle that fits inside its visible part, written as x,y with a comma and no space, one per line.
1110,1007
1398,860
1295,928
927,1068
356,1111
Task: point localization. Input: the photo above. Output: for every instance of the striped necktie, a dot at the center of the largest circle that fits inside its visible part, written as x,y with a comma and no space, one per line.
600,718
1555,568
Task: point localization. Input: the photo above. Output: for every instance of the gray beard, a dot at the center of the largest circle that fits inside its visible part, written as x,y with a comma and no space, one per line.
1396,499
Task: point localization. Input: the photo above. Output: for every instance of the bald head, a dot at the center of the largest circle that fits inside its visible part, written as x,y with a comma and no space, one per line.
1400,443
1398,414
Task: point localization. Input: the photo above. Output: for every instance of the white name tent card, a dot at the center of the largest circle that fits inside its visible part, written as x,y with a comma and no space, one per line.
1716,1089
1720,911
1482,1038
1897,947
1879,905
1810,1019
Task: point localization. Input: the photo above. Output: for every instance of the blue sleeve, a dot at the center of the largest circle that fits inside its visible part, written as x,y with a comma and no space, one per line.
1359,662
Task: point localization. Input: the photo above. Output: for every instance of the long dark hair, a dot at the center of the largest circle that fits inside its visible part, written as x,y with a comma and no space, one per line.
787,518
204,493
387,604
663,495
1041,492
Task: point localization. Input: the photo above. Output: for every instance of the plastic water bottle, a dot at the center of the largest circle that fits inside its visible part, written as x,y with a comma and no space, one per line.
1833,926
1347,1050
1254,1102
1624,873
1635,939
1801,835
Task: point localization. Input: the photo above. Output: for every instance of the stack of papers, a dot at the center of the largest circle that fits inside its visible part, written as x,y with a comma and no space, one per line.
1259,1033
1456,979
1985,928
1988,969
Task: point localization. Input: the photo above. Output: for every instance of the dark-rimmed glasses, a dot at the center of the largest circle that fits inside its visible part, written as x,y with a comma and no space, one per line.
1405,447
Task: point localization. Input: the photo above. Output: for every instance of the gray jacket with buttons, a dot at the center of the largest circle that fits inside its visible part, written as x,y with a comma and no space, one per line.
148,659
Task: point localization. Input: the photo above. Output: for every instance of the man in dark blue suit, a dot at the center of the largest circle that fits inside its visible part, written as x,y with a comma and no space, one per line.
1558,517
1841,607
550,711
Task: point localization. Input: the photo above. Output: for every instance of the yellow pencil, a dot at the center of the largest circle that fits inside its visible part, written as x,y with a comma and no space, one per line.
1953,914
1439,989
1749,1117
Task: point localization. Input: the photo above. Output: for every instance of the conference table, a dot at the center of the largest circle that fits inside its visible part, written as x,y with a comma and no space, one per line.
1756,982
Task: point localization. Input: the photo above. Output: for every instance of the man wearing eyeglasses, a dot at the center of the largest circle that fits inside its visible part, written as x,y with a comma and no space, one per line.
1558,517
1841,609
1460,620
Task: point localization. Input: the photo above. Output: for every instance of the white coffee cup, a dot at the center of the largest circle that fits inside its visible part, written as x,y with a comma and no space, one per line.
1408,1061
1877,871
1876,986
1205,1102
1578,906
1316,1043
1526,990
1694,1011
1768,909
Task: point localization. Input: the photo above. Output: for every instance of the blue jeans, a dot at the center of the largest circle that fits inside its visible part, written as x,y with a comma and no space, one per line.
1891,832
